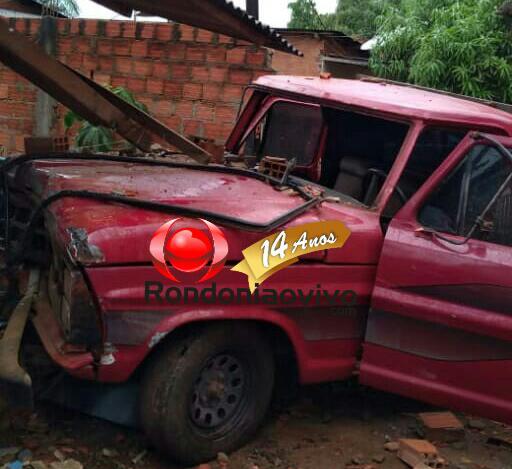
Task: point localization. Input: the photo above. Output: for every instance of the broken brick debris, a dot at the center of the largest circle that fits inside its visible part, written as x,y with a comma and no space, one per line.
443,427
416,452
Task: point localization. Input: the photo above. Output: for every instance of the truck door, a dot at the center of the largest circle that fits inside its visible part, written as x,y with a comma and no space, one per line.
440,325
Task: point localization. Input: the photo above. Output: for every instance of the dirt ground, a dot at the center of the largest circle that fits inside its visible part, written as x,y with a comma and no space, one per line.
335,426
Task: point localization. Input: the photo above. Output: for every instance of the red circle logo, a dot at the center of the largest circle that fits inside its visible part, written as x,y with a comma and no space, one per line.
189,250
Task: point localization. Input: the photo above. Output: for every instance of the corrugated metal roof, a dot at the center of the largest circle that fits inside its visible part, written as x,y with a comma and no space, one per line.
220,16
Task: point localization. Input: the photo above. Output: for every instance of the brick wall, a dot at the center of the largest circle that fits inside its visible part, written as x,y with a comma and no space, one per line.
310,65
190,79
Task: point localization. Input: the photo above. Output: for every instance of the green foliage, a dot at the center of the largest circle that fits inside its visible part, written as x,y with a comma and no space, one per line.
462,46
356,18
305,15
68,8
97,138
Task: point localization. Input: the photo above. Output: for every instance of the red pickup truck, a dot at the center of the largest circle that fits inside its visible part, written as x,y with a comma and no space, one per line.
423,182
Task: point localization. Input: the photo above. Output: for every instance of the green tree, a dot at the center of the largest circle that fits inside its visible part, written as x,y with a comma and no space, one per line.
68,8
462,46
305,15
356,18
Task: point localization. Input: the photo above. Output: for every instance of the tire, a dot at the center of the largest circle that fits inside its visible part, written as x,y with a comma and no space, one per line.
226,371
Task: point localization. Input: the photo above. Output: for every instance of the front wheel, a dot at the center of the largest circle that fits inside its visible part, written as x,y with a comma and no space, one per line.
208,392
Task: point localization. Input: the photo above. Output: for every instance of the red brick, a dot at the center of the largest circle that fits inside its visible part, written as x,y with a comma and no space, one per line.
187,33
204,112
214,131
226,114
91,27
136,85
184,109
65,45
193,128
225,39
122,47
104,47
8,77
19,25
113,28
212,91
74,26
148,31
106,64
174,90
90,62
119,82
17,93
34,27
155,86
177,51
16,110
236,55
5,141
124,65
256,59
196,53
156,50
74,60
240,77
193,91
218,74
83,44
148,102
20,143
129,29
4,91
201,74
204,36
160,70
164,107
216,54
173,122
232,93
139,48
257,74
143,68
163,32
180,72
102,78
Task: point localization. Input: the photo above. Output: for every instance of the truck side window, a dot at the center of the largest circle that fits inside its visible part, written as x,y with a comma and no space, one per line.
433,146
289,130
465,194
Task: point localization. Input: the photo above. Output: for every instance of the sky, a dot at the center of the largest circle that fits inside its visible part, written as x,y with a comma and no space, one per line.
272,12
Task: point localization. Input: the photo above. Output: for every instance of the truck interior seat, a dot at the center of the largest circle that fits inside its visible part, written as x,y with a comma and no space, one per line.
350,180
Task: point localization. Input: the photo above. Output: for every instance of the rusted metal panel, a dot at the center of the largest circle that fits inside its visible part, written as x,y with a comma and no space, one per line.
219,16
89,100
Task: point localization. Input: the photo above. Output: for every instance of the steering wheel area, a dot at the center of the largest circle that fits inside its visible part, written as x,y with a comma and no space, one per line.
373,180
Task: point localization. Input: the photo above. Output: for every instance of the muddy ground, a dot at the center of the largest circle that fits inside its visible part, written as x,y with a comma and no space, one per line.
351,430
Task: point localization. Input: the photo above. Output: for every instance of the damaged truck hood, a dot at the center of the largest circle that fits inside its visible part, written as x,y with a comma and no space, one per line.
102,233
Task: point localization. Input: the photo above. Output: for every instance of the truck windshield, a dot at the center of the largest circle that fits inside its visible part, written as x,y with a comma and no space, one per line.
347,152
288,130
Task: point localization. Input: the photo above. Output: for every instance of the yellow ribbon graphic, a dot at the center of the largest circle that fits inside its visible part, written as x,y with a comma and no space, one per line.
282,249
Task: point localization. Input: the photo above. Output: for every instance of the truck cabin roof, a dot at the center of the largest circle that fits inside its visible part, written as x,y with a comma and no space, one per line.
399,101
